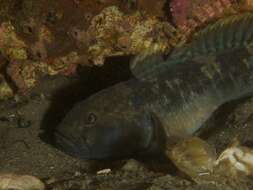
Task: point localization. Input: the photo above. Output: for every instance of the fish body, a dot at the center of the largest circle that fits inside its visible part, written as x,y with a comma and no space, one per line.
172,98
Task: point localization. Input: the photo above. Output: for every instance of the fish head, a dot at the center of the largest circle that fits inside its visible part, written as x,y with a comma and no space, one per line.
106,125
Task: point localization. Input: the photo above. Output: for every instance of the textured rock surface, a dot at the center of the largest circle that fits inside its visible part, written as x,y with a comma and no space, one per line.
40,38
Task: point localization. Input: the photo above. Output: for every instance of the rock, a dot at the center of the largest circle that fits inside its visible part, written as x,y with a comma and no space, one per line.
169,182
133,166
20,182
194,157
5,89
236,161
136,33
233,120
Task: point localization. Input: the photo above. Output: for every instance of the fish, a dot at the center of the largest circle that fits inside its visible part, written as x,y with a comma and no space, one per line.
168,97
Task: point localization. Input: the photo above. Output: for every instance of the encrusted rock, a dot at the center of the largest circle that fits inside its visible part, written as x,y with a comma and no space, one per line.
11,46
133,166
5,90
191,14
194,157
115,33
20,182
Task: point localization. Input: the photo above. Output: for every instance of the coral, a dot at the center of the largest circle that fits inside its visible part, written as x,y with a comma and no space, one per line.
54,41
116,33
14,72
65,65
11,46
37,40
5,90
45,37
151,7
191,14
180,10
25,74
28,74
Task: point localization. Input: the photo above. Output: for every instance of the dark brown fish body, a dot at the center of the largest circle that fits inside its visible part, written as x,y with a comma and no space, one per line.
168,98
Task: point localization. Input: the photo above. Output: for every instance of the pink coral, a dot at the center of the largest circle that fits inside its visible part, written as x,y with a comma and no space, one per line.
179,10
190,14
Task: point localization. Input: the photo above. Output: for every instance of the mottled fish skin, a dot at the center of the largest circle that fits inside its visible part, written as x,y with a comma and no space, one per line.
226,34
175,97
188,94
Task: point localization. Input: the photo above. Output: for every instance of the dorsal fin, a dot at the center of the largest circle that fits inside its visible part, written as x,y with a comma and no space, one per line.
155,54
230,32
215,39
145,62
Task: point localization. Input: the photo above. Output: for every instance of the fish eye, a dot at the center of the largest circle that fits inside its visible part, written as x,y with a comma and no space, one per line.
91,119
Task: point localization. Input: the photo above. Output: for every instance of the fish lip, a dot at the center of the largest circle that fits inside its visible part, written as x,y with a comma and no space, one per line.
79,149
72,148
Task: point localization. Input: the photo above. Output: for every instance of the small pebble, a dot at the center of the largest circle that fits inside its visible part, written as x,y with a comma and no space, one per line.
23,123
133,166
104,171
194,157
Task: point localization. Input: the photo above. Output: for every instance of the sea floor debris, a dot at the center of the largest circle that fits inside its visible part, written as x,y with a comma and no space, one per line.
198,160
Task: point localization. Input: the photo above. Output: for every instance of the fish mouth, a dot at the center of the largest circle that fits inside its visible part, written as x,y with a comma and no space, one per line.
70,147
